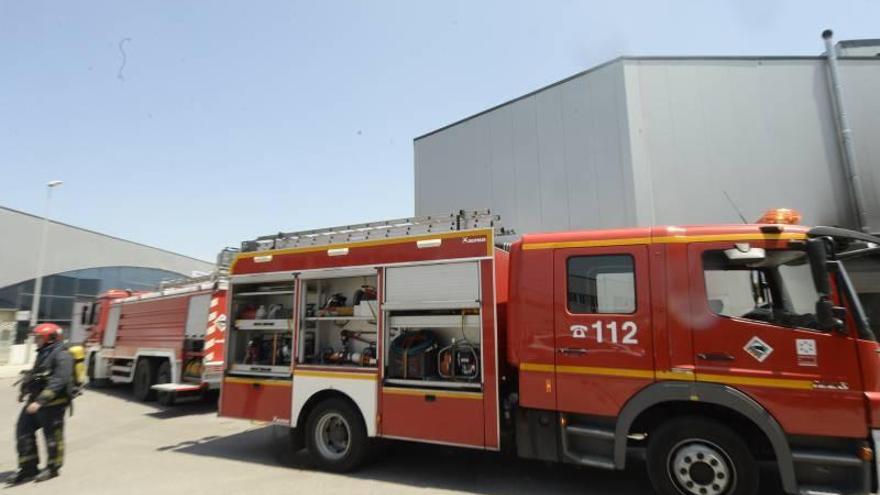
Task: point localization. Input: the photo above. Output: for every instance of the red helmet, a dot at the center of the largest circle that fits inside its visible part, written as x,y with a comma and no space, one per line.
47,332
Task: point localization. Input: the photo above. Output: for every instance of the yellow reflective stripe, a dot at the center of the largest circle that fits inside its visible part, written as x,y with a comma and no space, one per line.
756,381
596,243
335,374
684,239
588,370
419,392
592,370
546,368
673,375
489,233
250,381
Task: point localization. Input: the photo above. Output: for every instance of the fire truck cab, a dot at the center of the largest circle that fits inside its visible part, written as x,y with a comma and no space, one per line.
707,350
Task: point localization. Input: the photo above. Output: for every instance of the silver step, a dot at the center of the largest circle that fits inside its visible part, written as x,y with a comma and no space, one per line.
584,431
597,436
826,458
592,461
400,227
124,370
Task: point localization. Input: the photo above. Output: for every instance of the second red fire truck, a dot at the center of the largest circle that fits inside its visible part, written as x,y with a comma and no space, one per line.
167,343
706,349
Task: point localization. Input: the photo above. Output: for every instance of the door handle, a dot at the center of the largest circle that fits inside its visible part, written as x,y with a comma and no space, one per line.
715,356
430,398
572,350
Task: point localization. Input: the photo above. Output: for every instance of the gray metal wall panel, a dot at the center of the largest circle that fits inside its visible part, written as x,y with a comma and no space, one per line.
554,161
861,88
761,131
659,141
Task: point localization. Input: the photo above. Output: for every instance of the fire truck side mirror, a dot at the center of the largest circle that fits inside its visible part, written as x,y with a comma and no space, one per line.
828,316
818,256
84,316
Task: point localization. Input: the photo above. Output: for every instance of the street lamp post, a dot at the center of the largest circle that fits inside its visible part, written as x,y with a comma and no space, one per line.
41,258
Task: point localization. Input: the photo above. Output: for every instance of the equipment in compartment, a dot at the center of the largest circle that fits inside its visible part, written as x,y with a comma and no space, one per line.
274,311
459,361
365,293
366,357
268,349
413,355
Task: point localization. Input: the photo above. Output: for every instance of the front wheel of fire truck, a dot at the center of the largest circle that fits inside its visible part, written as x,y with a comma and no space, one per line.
697,456
336,436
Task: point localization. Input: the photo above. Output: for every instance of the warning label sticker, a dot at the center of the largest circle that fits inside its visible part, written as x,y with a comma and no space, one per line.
758,349
807,355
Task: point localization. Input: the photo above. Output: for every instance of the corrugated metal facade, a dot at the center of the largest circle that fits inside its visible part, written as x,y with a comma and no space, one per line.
660,141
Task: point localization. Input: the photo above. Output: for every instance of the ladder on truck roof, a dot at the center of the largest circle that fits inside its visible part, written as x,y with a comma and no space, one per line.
221,271
401,227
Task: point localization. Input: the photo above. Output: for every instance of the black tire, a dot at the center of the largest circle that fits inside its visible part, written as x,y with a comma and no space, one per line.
90,372
144,378
698,456
164,376
336,436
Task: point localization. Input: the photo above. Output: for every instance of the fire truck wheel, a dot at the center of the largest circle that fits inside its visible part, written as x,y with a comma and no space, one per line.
90,372
697,456
336,436
144,378
164,376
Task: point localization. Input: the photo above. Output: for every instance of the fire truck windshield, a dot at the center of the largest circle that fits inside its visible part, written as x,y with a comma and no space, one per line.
778,289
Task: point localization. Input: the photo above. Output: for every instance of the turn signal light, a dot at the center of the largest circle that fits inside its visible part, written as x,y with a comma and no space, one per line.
866,454
782,216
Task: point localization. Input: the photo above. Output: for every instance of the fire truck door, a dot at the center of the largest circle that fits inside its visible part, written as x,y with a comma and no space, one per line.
603,327
754,329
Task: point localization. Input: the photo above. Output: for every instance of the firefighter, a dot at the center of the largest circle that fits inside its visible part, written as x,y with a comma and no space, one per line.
47,390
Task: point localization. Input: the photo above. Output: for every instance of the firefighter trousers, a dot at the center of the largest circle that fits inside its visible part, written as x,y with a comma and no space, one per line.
51,420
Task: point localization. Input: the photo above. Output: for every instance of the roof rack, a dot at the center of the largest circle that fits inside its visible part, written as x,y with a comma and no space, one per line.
401,227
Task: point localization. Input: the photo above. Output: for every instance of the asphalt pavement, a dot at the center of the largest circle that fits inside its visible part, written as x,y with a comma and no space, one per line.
115,443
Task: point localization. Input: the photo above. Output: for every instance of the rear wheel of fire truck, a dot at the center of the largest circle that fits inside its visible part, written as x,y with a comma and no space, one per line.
696,456
144,378
164,376
336,436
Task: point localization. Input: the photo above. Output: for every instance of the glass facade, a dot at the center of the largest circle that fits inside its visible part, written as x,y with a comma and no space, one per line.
61,290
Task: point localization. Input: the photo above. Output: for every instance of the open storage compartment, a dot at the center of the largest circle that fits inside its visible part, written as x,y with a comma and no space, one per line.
339,319
261,336
433,326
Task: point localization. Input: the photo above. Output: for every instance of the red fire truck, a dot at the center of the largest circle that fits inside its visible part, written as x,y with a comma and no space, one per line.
167,343
708,350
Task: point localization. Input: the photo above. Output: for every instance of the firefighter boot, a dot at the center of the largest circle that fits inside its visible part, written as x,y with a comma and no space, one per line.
47,474
21,476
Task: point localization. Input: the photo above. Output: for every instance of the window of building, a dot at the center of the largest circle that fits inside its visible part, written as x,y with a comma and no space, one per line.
60,291
777,290
601,284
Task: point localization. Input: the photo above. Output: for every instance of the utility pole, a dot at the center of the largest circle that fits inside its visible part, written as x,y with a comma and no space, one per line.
41,259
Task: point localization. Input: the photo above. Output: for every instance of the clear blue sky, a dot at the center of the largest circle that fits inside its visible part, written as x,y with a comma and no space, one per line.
235,119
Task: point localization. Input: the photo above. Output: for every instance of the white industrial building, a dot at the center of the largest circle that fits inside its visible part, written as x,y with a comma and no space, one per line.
664,140
79,264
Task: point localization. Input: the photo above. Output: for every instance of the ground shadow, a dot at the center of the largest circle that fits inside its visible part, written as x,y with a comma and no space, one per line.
182,407
428,466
